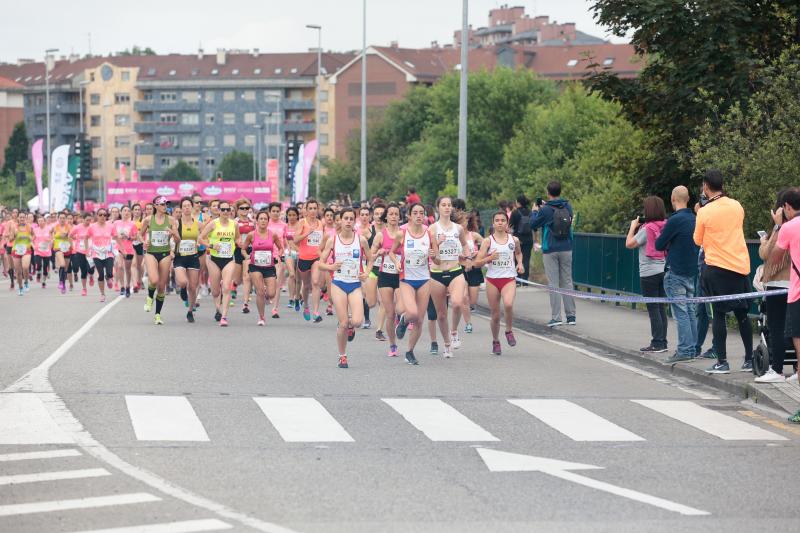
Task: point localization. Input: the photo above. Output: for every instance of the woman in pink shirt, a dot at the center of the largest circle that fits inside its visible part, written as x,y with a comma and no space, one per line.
42,250
98,243
125,232
79,260
277,227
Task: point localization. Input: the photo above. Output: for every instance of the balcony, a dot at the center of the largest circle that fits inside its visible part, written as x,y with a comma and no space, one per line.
165,149
147,106
292,126
148,173
165,127
298,105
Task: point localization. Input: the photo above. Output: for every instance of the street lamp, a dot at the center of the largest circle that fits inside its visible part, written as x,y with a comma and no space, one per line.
48,59
81,85
462,108
319,83
364,103
257,154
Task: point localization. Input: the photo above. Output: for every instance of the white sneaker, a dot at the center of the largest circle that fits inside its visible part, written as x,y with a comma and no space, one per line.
447,353
792,378
771,377
455,341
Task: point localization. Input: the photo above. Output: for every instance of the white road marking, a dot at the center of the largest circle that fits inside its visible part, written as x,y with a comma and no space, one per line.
439,421
25,420
710,421
302,420
53,476
187,526
574,421
81,503
164,418
51,454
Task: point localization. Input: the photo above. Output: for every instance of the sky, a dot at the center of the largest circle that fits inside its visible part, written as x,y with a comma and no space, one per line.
180,26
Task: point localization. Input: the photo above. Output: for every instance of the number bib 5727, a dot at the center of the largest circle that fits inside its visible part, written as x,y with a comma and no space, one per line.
187,247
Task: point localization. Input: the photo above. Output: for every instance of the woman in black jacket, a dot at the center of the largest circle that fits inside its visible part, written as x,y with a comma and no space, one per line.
521,226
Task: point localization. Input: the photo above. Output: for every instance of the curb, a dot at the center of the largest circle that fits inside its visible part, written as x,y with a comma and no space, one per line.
763,396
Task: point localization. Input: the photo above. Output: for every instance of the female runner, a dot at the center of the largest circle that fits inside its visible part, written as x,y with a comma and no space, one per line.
293,227
220,236
187,256
265,248
241,254
79,259
388,271
502,252
157,230
473,273
101,251
63,250
332,222
20,235
348,273
308,242
138,248
42,250
278,227
370,289
124,233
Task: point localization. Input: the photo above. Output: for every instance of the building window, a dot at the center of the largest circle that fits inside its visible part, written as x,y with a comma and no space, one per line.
94,99
210,117
271,94
323,96
249,118
95,163
190,119
167,162
323,117
191,97
214,71
229,96
210,162
209,97
171,72
249,140
122,120
229,140
249,96
210,141
235,72
608,61
229,119
193,162
122,141
122,161
94,120
168,118
191,141
122,98
168,141
169,97
95,142
126,75
257,71
572,62
147,96
323,139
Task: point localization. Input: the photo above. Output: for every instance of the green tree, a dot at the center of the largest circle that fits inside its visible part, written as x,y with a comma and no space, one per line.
236,166
182,171
137,51
16,150
9,193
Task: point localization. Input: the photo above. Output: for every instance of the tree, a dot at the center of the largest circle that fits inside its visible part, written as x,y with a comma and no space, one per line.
9,193
17,149
137,51
236,166
182,171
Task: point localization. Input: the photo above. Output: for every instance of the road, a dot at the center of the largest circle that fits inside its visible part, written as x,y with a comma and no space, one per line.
201,428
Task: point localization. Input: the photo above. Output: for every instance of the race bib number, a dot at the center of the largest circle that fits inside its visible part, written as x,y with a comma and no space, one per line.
187,247
378,261
449,250
159,238
44,246
225,249
20,249
137,242
349,269
389,267
315,238
503,260
100,252
64,246
262,258
124,235
416,259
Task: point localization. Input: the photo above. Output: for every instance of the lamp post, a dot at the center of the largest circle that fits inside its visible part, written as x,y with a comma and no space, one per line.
48,58
462,108
257,154
319,83
81,85
364,103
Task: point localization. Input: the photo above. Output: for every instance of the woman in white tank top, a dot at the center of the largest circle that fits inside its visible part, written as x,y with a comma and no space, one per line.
501,251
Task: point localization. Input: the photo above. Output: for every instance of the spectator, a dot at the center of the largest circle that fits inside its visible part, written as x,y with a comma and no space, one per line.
681,272
789,240
775,276
720,232
651,268
703,313
520,223
412,197
555,219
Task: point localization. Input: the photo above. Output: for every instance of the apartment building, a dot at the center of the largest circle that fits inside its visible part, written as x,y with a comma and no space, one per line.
11,112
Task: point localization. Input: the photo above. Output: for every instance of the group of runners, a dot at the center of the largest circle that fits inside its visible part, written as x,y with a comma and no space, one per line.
349,260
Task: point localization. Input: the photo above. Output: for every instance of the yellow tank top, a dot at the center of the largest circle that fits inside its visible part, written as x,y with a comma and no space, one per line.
188,242
222,237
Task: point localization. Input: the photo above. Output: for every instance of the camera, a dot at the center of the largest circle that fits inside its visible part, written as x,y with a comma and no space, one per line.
539,201
703,199
642,220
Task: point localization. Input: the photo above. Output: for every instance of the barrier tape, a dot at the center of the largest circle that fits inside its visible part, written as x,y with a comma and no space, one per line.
653,300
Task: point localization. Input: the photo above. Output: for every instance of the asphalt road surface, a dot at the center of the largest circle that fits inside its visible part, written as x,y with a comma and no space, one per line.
108,422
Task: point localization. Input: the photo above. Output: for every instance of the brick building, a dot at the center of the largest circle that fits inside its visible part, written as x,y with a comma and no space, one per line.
11,112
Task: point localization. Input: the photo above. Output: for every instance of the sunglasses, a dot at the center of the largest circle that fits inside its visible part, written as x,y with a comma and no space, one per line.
224,209
244,207
102,214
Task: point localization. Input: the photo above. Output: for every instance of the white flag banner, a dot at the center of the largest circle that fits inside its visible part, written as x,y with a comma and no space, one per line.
60,178
300,189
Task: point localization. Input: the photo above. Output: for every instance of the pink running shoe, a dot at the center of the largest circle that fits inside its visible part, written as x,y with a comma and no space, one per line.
109,283
223,322
102,298
83,292
510,338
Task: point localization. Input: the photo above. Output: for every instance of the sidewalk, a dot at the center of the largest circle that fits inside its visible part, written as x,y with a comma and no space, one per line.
622,331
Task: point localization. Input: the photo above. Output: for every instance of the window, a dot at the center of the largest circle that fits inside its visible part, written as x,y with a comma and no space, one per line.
235,72
122,161
210,119
323,96
39,120
191,97
193,162
91,76
95,142
168,141
229,119
195,71
210,141
249,140
191,141
572,62
296,94
210,162
214,71
169,97
278,70
323,117
122,120
150,72
122,98
249,118
293,71
229,140
171,72
608,61
167,162
122,141
323,139
190,119
94,120
168,118
229,96
209,97
257,71
126,75
95,163
273,95
249,96
94,99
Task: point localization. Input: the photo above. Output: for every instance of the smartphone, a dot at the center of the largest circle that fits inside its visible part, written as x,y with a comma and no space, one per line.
762,234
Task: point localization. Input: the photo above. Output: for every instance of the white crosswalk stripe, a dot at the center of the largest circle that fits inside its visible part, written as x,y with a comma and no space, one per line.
302,420
24,420
79,503
164,418
439,421
574,421
185,526
17,479
723,426
30,456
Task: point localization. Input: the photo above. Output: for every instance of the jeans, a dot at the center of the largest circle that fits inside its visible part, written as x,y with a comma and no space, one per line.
677,286
703,315
558,269
653,286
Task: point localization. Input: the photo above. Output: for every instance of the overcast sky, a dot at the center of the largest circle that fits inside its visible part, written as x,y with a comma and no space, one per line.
180,26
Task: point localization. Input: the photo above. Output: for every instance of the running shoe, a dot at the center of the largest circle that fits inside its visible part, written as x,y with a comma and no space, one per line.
366,325
148,304
317,318
410,359
62,287
795,418
102,298
83,292
20,291
190,317
217,316
157,320
496,349
223,322
455,341
677,358
747,366
434,348
468,327
379,336
771,377
127,292
343,361
245,308
719,368
393,350
401,328
122,291
351,334
275,313
571,321
261,321
553,323
447,353
232,303
654,349
109,283
329,310
290,304
306,314
510,339
297,306
44,285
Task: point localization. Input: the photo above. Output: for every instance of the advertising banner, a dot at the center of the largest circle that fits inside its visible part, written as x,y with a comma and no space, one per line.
37,155
60,178
258,192
272,176
122,172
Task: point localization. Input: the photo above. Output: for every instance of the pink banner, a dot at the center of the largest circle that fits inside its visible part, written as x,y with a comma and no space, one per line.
272,175
134,175
38,163
260,193
308,160
122,172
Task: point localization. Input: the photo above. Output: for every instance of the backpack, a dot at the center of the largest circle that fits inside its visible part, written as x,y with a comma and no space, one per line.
524,227
562,223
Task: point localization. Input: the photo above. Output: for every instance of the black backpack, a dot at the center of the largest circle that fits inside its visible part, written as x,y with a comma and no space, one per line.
562,223
523,229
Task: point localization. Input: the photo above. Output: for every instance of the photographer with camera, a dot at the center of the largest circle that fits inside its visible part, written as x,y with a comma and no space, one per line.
520,224
644,231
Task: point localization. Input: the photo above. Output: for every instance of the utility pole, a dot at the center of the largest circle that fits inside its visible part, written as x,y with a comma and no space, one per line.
462,108
47,60
319,84
364,104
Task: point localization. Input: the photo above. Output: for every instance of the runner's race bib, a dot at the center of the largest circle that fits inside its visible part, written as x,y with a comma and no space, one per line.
159,238
503,260
20,249
225,249
101,252
262,258
64,246
349,270
449,250
416,259
44,246
187,247
315,238
389,267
